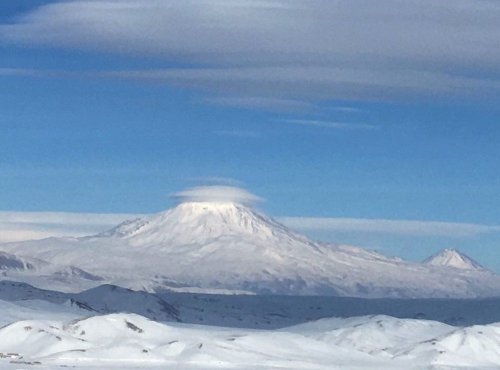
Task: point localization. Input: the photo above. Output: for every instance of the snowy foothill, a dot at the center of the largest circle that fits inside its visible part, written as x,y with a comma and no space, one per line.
97,329
53,338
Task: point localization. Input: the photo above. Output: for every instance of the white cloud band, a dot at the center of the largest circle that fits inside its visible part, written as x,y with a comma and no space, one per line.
15,226
396,227
285,53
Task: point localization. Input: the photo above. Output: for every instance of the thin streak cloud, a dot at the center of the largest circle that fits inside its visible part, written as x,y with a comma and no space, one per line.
16,226
330,125
238,133
262,102
394,227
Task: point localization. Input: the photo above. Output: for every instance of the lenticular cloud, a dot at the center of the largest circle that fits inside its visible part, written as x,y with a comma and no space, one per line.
216,194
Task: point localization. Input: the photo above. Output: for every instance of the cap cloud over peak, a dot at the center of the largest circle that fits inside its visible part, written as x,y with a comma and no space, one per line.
226,194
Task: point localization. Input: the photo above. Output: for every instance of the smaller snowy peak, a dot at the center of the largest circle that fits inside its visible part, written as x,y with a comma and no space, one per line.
453,258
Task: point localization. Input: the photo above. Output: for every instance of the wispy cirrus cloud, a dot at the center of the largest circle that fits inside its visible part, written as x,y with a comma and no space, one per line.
330,124
317,83
286,50
17,72
238,133
262,102
346,109
215,180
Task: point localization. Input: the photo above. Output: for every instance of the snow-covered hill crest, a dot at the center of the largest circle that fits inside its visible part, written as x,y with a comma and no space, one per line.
131,341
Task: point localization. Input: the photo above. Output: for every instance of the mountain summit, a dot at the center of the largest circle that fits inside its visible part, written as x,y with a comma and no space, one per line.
453,258
198,223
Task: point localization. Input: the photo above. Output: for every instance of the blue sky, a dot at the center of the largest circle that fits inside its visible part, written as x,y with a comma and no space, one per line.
325,109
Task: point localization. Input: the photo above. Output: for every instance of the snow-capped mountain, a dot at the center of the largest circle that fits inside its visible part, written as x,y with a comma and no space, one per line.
453,258
200,223
225,246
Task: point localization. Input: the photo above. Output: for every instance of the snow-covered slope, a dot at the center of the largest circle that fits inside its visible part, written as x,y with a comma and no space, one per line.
376,335
132,341
474,347
453,258
34,309
228,246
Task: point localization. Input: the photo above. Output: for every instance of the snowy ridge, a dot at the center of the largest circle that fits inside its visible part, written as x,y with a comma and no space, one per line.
11,262
227,246
455,259
253,311
45,274
102,299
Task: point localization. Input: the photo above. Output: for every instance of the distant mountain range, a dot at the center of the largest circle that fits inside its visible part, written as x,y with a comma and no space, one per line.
227,247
